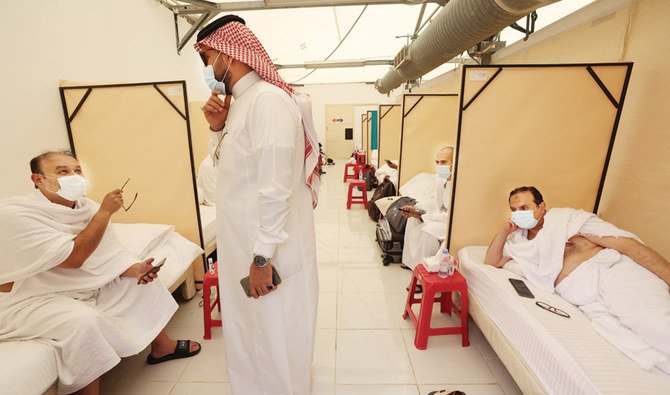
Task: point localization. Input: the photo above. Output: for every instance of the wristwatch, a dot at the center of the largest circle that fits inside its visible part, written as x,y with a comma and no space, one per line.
260,261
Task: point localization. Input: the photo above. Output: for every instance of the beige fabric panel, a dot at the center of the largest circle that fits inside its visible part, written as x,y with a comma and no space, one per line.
133,132
549,127
200,133
390,127
636,195
429,126
476,80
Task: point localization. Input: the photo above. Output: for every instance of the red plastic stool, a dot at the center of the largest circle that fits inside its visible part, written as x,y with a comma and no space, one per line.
362,199
361,158
433,284
348,176
211,280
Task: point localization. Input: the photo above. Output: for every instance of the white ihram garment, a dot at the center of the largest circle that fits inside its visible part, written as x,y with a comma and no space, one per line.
264,207
422,239
90,315
628,305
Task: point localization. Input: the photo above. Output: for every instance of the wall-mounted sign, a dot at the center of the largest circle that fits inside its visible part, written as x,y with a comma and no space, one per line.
338,120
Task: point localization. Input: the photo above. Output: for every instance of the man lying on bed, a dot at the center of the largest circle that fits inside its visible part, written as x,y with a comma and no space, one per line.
66,281
618,282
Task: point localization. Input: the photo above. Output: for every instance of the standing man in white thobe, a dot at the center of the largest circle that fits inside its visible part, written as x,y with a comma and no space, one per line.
427,228
265,197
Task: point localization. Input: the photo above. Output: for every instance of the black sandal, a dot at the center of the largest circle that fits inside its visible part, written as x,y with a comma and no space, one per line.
440,392
183,350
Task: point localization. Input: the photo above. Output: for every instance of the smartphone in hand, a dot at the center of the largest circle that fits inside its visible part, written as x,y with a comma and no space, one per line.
276,280
155,267
416,210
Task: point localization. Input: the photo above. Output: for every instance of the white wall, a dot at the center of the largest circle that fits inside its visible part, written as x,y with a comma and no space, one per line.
356,94
82,41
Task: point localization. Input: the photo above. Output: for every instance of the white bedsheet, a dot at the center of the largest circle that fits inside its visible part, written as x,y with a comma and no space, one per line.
208,223
566,355
26,367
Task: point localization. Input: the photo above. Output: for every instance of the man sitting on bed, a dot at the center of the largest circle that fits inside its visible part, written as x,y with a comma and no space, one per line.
427,221
621,284
66,281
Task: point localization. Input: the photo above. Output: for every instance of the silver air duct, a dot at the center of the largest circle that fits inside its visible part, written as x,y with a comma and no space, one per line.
459,26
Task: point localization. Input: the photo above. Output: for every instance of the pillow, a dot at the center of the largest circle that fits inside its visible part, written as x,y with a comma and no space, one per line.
142,238
179,254
421,187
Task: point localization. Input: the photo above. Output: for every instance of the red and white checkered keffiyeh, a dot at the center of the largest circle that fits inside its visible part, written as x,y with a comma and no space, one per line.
237,40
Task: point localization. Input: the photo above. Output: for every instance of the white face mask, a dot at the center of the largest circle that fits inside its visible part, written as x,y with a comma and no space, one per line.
72,187
524,219
210,78
444,172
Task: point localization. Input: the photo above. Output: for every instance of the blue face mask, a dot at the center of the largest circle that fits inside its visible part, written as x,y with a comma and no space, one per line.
210,78
444,172
524,219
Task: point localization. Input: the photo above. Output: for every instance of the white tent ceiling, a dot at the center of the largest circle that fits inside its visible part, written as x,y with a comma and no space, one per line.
299,35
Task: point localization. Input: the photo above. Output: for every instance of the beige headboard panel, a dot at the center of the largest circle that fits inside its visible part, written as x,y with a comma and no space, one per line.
138,131
390,125
429,122
550,126
199,132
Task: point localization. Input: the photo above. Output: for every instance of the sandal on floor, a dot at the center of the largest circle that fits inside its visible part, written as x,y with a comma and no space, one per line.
402,265
183,350
441,392
417,290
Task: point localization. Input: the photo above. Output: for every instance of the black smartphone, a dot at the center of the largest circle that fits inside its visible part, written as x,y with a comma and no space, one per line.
155,267
521,288
416,210
276,280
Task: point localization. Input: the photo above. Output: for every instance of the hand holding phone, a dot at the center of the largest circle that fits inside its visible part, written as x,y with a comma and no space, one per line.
155,268
276,280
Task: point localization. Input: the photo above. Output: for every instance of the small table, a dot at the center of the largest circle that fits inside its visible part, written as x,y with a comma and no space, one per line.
433,284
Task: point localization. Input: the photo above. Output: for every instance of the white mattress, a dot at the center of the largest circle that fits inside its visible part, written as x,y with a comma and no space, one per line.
26,367
208,223
566,355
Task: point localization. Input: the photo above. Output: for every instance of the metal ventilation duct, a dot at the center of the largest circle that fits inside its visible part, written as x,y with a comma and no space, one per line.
459,26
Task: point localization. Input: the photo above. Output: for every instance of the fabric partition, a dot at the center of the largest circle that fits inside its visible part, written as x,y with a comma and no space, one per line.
429,122
138,131
364,133
550,126
389,132
199,133
368,133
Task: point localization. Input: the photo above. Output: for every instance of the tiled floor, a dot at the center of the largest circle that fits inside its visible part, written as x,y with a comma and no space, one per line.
363,346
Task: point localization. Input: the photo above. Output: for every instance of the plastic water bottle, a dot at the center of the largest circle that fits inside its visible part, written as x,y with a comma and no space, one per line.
446,265
210,265
360,174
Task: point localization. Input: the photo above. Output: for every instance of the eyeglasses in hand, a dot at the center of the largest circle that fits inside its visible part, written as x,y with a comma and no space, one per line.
553,309
134,198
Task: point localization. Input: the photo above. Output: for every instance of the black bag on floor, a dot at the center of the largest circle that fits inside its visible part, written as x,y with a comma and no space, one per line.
384,189
394,216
